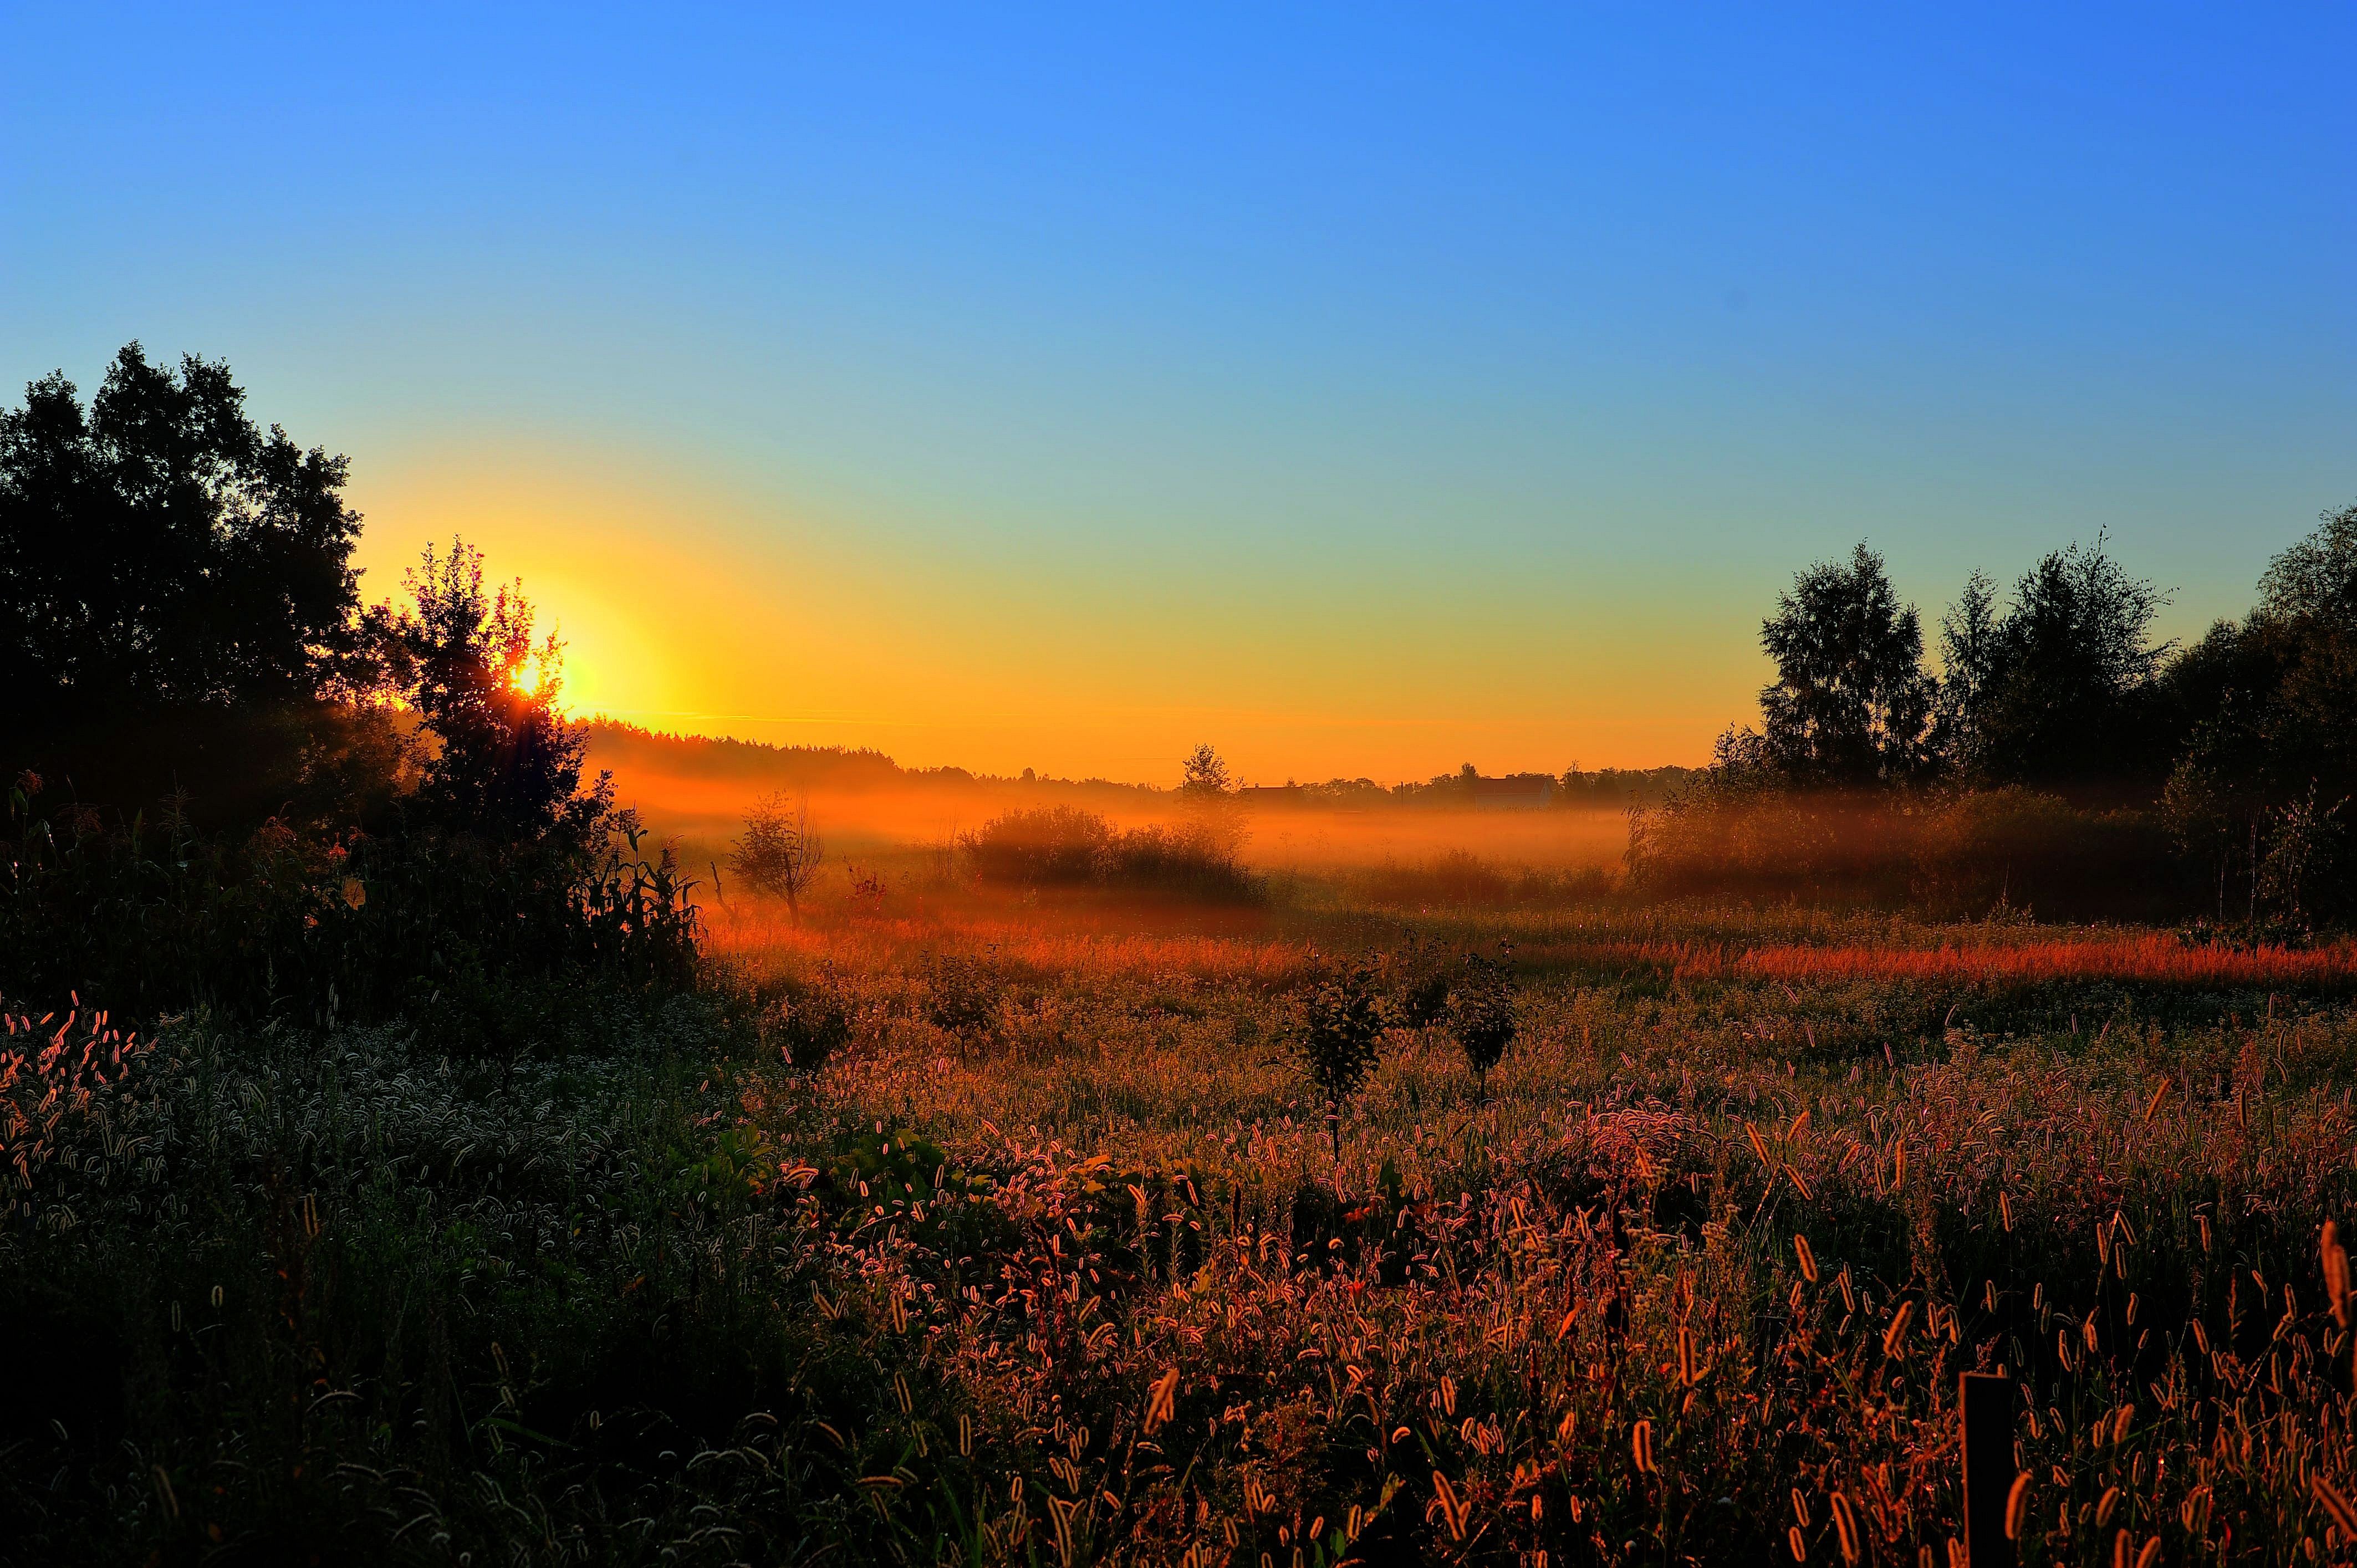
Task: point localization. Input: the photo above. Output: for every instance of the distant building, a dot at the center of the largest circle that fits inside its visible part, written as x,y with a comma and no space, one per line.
1527,792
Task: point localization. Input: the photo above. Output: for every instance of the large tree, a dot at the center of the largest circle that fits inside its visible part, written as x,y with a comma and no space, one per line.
2306,628
2262,716
177,602
159,552
2063,682
1851,703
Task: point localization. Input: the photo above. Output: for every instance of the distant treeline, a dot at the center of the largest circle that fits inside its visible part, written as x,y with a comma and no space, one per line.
1607,789
628,749
183,623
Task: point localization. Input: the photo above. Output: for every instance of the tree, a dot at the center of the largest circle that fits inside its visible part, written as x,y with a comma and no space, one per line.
1851,703
505,763
2303,842
158,551
1338,1031
778,853
2304,627
1204,774
176,602
1209,794
1968,668
2065,693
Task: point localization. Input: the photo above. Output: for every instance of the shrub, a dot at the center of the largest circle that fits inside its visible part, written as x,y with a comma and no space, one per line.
2022,848
1053,845
1047,844
1958,853
501,940
1194,858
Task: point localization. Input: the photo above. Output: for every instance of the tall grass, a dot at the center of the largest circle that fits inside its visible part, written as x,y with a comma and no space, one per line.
1047,1256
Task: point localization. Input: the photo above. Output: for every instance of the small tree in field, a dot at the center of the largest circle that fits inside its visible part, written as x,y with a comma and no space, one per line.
778,853
1214,809
1482,1012
1204,774
1339,1034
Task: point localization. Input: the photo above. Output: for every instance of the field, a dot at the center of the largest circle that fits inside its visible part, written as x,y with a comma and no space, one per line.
990,1225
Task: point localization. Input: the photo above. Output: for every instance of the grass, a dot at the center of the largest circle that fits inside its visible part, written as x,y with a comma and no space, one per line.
1037,1250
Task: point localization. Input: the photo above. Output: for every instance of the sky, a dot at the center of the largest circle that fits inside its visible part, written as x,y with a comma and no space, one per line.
1362,389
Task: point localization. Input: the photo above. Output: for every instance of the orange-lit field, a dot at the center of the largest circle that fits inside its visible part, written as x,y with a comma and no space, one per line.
1687,1277
961,1219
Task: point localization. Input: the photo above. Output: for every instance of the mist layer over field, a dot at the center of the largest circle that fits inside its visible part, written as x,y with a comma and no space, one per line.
887,817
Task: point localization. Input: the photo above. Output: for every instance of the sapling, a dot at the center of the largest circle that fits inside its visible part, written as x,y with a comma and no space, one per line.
1338,1033
778,854
1482,1012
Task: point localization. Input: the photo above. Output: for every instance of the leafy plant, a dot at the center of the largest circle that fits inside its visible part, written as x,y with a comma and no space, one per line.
1481,1011
1339,1024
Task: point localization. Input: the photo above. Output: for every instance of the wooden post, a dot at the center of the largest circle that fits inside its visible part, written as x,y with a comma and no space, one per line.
1986,1403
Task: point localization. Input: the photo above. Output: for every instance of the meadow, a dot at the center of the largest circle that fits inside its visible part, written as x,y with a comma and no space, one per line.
950,1220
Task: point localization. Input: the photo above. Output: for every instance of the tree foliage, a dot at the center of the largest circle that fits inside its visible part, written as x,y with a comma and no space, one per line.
777,852
504,762
1338,1032
157,550
1481,1010
1851,703
2304,635
2060,689
1204,774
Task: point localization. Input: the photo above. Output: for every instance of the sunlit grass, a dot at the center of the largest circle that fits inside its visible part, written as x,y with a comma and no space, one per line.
989,1225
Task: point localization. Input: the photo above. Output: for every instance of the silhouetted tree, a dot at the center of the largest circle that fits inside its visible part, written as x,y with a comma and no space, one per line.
2305,628
1204,773
1214,813
1968,669
2063,687
1851,703
504,763
157,550
777,852
1338,1031
177,598
2262,716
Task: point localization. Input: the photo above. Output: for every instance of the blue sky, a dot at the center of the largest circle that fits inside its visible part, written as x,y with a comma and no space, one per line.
1368,388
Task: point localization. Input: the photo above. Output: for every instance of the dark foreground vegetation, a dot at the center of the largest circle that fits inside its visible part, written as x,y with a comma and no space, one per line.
399,1167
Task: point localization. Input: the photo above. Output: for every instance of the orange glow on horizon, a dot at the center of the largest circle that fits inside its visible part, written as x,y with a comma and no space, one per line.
698,610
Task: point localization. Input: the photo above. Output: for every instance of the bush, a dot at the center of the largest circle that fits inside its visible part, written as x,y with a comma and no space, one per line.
501,940
1048,845
1194,859
1063,845
2028,850
1481,1011
1960,853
